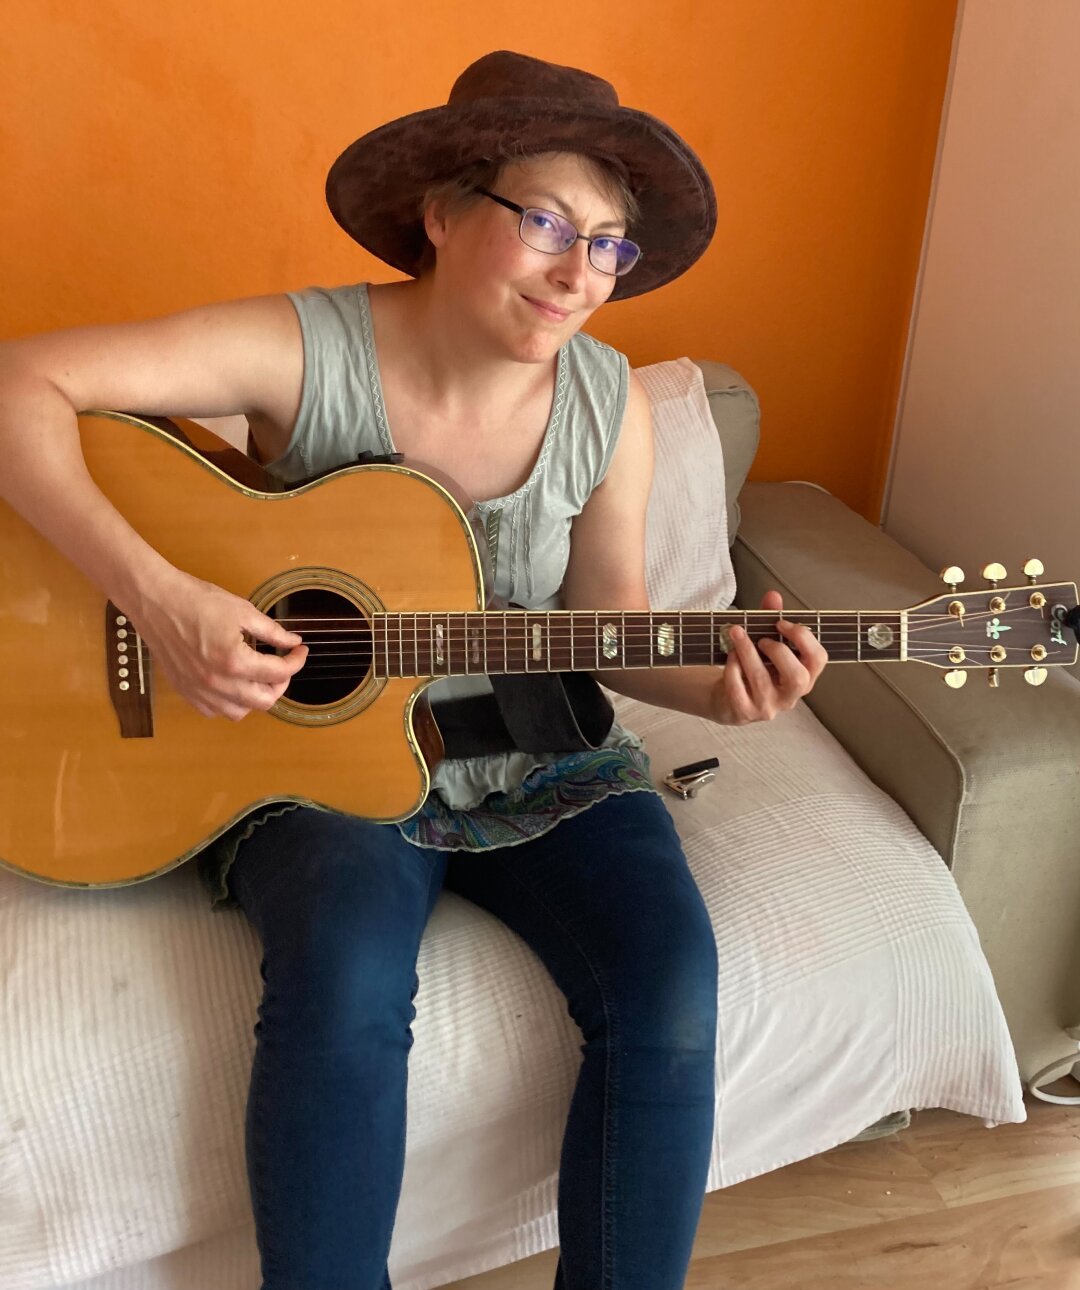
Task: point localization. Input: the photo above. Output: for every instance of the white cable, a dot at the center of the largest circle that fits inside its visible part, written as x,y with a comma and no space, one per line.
1050,1073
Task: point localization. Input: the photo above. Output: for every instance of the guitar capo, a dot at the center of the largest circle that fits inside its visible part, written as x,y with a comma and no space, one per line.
685,781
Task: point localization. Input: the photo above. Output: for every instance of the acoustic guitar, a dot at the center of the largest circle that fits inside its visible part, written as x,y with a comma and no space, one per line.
108,777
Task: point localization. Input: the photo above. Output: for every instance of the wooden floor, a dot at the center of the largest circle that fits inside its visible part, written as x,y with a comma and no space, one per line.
944,1205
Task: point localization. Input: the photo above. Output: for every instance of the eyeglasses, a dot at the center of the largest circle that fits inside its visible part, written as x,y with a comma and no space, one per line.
545,231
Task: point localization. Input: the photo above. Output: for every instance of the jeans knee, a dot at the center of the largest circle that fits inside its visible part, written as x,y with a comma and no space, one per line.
339,963
679,1013
660,997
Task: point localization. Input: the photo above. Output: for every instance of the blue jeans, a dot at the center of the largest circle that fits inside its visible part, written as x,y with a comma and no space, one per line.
607,903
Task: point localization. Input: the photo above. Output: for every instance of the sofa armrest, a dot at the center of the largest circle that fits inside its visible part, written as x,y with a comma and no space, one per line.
990,776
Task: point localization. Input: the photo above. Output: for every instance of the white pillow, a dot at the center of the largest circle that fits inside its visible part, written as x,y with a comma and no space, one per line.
687,566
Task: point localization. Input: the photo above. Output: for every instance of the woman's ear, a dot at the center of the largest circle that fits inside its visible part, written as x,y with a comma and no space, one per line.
435,222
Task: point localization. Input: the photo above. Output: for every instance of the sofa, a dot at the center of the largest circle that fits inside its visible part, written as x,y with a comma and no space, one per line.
880,872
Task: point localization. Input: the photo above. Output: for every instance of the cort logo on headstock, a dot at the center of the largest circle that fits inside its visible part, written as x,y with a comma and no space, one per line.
1057,624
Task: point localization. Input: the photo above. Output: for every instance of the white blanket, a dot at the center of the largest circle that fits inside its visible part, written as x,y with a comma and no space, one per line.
851,985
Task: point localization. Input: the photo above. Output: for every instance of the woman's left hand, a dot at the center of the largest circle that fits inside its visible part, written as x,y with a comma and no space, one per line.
756,688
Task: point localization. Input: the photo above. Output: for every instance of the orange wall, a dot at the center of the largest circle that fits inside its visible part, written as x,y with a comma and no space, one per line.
160,155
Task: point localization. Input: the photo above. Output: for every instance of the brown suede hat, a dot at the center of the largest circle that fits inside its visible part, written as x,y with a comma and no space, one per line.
503,106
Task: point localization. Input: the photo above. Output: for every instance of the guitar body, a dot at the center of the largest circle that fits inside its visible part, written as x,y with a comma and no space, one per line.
81,804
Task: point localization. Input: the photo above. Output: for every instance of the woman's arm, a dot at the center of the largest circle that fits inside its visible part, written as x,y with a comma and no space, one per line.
245,356
607,571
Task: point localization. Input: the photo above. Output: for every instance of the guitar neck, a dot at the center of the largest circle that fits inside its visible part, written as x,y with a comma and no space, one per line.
495,643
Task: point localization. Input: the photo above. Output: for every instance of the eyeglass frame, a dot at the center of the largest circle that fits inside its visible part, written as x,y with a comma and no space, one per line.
578,237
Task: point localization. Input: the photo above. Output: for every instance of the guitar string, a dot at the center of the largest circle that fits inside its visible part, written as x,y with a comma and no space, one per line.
585,631
563,615
457,657
694,636
528,619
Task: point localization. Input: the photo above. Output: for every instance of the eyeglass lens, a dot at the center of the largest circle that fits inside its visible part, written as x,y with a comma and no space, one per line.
548,232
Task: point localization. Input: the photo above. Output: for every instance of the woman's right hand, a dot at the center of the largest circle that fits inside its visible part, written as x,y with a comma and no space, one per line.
197,633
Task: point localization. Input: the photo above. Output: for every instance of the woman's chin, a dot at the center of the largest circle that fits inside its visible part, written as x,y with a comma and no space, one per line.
535,347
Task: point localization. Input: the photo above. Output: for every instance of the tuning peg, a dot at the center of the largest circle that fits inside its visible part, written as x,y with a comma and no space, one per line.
1035,675
993,573
957,678
952,576
1034,570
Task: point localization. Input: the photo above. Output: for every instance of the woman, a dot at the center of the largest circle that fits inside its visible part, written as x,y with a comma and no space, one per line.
510,208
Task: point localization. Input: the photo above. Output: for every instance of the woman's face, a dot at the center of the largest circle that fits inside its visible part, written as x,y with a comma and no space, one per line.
526,301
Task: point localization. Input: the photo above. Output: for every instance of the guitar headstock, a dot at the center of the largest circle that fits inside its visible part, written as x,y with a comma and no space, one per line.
997,627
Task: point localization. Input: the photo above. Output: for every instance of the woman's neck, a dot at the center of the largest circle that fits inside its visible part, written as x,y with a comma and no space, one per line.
420,332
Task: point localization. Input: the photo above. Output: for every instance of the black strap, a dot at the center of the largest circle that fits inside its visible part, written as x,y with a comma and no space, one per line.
537,712
1072,619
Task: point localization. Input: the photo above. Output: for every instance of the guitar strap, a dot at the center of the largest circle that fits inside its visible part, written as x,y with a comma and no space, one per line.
536,712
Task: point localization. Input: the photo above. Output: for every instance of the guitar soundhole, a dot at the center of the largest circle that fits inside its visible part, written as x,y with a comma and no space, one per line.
338,637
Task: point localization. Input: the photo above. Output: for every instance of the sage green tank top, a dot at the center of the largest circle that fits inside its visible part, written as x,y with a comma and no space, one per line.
342,414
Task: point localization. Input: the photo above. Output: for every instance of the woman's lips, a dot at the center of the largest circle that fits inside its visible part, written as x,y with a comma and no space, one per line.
551,312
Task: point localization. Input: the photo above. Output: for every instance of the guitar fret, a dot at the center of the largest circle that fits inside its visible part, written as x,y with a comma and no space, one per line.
858,636
508,639
416,645
596,637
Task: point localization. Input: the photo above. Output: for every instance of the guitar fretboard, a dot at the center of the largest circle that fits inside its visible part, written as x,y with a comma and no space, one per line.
493,643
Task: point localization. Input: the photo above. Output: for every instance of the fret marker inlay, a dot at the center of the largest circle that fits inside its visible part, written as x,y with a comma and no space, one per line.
665,640
880,636
611,640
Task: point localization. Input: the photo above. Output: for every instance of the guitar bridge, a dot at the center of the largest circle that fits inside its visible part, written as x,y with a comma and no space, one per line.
127,662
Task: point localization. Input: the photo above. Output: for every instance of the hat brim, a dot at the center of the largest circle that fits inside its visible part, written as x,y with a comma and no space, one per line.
374,189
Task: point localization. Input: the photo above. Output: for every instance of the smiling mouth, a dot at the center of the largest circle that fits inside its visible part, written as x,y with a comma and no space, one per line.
553,312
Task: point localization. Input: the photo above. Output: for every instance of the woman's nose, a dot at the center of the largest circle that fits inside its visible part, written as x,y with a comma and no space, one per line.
572,267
